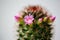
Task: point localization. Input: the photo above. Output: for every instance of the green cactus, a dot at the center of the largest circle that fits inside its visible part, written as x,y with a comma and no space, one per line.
35,31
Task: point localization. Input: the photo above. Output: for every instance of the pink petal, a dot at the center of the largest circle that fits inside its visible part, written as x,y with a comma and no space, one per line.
17,18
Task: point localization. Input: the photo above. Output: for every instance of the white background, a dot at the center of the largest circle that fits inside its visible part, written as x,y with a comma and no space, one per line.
9,8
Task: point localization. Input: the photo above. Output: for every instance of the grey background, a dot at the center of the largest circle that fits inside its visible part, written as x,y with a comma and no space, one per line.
9,8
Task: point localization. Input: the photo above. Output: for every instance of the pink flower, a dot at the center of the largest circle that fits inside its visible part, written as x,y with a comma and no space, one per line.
28,19
52,18
40,20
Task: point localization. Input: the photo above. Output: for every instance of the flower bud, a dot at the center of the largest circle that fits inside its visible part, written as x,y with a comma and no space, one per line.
40,20
17,18
45,19
52,18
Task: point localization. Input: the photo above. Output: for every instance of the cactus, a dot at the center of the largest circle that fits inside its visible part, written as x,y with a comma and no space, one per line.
35,24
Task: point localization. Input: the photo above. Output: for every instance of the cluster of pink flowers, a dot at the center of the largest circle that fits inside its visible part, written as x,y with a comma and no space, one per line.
28,19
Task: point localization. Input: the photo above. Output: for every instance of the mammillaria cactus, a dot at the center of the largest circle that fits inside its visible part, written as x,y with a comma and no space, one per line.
35,24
